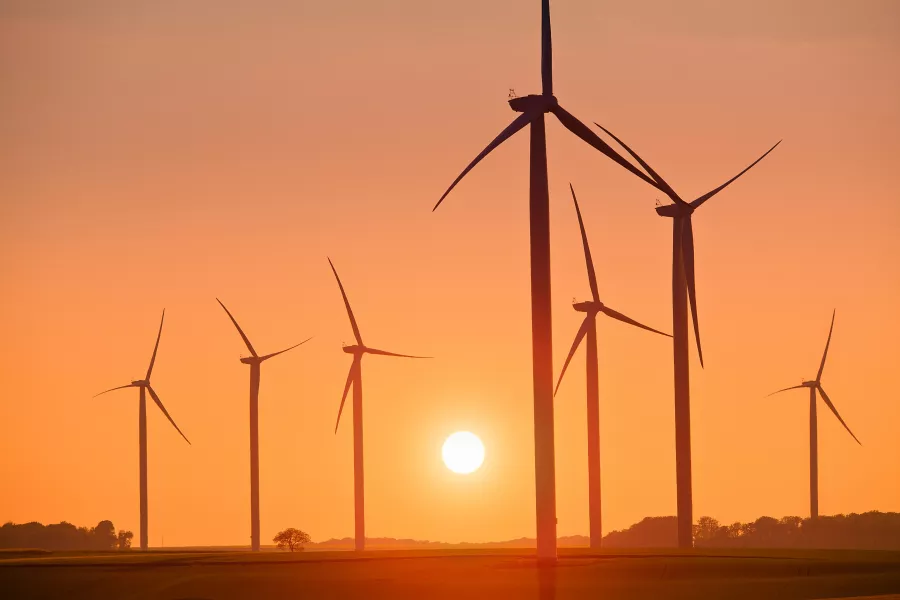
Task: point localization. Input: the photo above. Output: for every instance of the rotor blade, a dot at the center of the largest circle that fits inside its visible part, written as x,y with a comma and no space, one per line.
351,377
696,203
347,304
386,353
240,331
121,387
687,260
156,347
546,50
582,131
268,356
793,387
582,331
165,412
511,129
834,410
620,317
663,184
828,343
592,276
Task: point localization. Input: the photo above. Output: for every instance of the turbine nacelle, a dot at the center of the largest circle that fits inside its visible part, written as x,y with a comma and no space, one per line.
533,103
810,384
141,383
589,306
249,360
354,349
675,210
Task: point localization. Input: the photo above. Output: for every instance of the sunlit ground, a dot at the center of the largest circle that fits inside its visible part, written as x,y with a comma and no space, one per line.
451,574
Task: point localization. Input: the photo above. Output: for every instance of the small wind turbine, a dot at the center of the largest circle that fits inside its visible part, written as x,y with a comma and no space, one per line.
255,361
814,386
144,386
588,329
354,378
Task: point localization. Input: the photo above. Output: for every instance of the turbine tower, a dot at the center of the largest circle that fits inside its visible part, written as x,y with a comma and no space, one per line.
255,361
683,291
588,330
144,386
532,109
816,386
354,378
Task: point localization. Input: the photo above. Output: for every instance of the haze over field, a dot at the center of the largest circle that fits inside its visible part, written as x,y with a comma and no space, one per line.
154,156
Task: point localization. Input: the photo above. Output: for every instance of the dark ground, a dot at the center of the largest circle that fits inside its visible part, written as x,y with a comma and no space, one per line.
465,575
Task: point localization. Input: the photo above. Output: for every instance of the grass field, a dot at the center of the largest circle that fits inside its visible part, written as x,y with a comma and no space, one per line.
464,575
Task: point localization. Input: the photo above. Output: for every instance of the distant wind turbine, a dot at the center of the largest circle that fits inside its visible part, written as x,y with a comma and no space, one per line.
588,330
683,289
533,109
255,361
816,385
354,378
144,386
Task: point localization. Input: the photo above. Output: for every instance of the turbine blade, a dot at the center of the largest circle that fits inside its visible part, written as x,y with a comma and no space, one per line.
663,184
687,260
582,131
240,331
511,129
592,276
156,347
386,353
696,203
121,387
582,331
828,343
347,304
546,50
793,387
834,410
268,356
165,412
351,377
620,317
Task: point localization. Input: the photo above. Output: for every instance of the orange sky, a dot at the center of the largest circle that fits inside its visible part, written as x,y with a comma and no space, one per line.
158,158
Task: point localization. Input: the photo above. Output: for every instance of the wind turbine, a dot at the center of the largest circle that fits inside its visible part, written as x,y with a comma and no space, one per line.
588,330
814,386
354,378
144,386
255,361
533,109
683,290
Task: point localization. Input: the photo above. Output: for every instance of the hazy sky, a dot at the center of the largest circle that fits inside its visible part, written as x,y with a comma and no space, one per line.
160,154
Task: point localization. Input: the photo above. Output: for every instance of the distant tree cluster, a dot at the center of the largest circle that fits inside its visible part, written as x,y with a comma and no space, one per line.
64,536
292,539
867,531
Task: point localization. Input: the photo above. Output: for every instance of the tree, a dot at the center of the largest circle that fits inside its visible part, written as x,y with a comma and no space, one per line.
705,529
104,535
124,539
291,538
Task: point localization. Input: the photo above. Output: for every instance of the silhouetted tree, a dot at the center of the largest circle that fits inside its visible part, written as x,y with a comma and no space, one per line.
124,539
291,538
59,536
705,530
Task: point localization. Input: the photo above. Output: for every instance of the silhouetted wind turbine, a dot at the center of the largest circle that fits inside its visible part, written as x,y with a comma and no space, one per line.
683,289
144,386
354,378
588,330
254,360
533,109
816,385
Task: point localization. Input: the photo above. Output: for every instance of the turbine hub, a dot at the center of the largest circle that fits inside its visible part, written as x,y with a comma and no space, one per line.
675,210
249,360
810,383
354,349
537,103
141,383
588,306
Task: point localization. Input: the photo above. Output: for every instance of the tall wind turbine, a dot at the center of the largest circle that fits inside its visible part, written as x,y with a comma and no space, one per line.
814,386
144,386
683,291
533,109
588,330
255,361
354,378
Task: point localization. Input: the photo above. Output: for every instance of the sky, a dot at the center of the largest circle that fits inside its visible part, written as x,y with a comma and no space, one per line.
159,155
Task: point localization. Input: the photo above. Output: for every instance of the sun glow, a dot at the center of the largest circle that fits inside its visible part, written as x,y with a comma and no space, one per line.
463,452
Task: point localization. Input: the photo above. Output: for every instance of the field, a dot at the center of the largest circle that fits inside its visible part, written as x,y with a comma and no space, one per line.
465,575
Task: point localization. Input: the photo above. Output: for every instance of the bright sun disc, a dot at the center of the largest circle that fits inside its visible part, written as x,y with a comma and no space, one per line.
463,452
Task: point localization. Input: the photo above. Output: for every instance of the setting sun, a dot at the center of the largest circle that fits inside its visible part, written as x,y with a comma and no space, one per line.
463,452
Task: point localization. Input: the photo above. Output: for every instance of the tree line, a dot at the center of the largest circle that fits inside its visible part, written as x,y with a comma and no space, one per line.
64,536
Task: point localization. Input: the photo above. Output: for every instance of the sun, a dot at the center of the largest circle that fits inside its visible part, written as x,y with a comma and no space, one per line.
463,452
